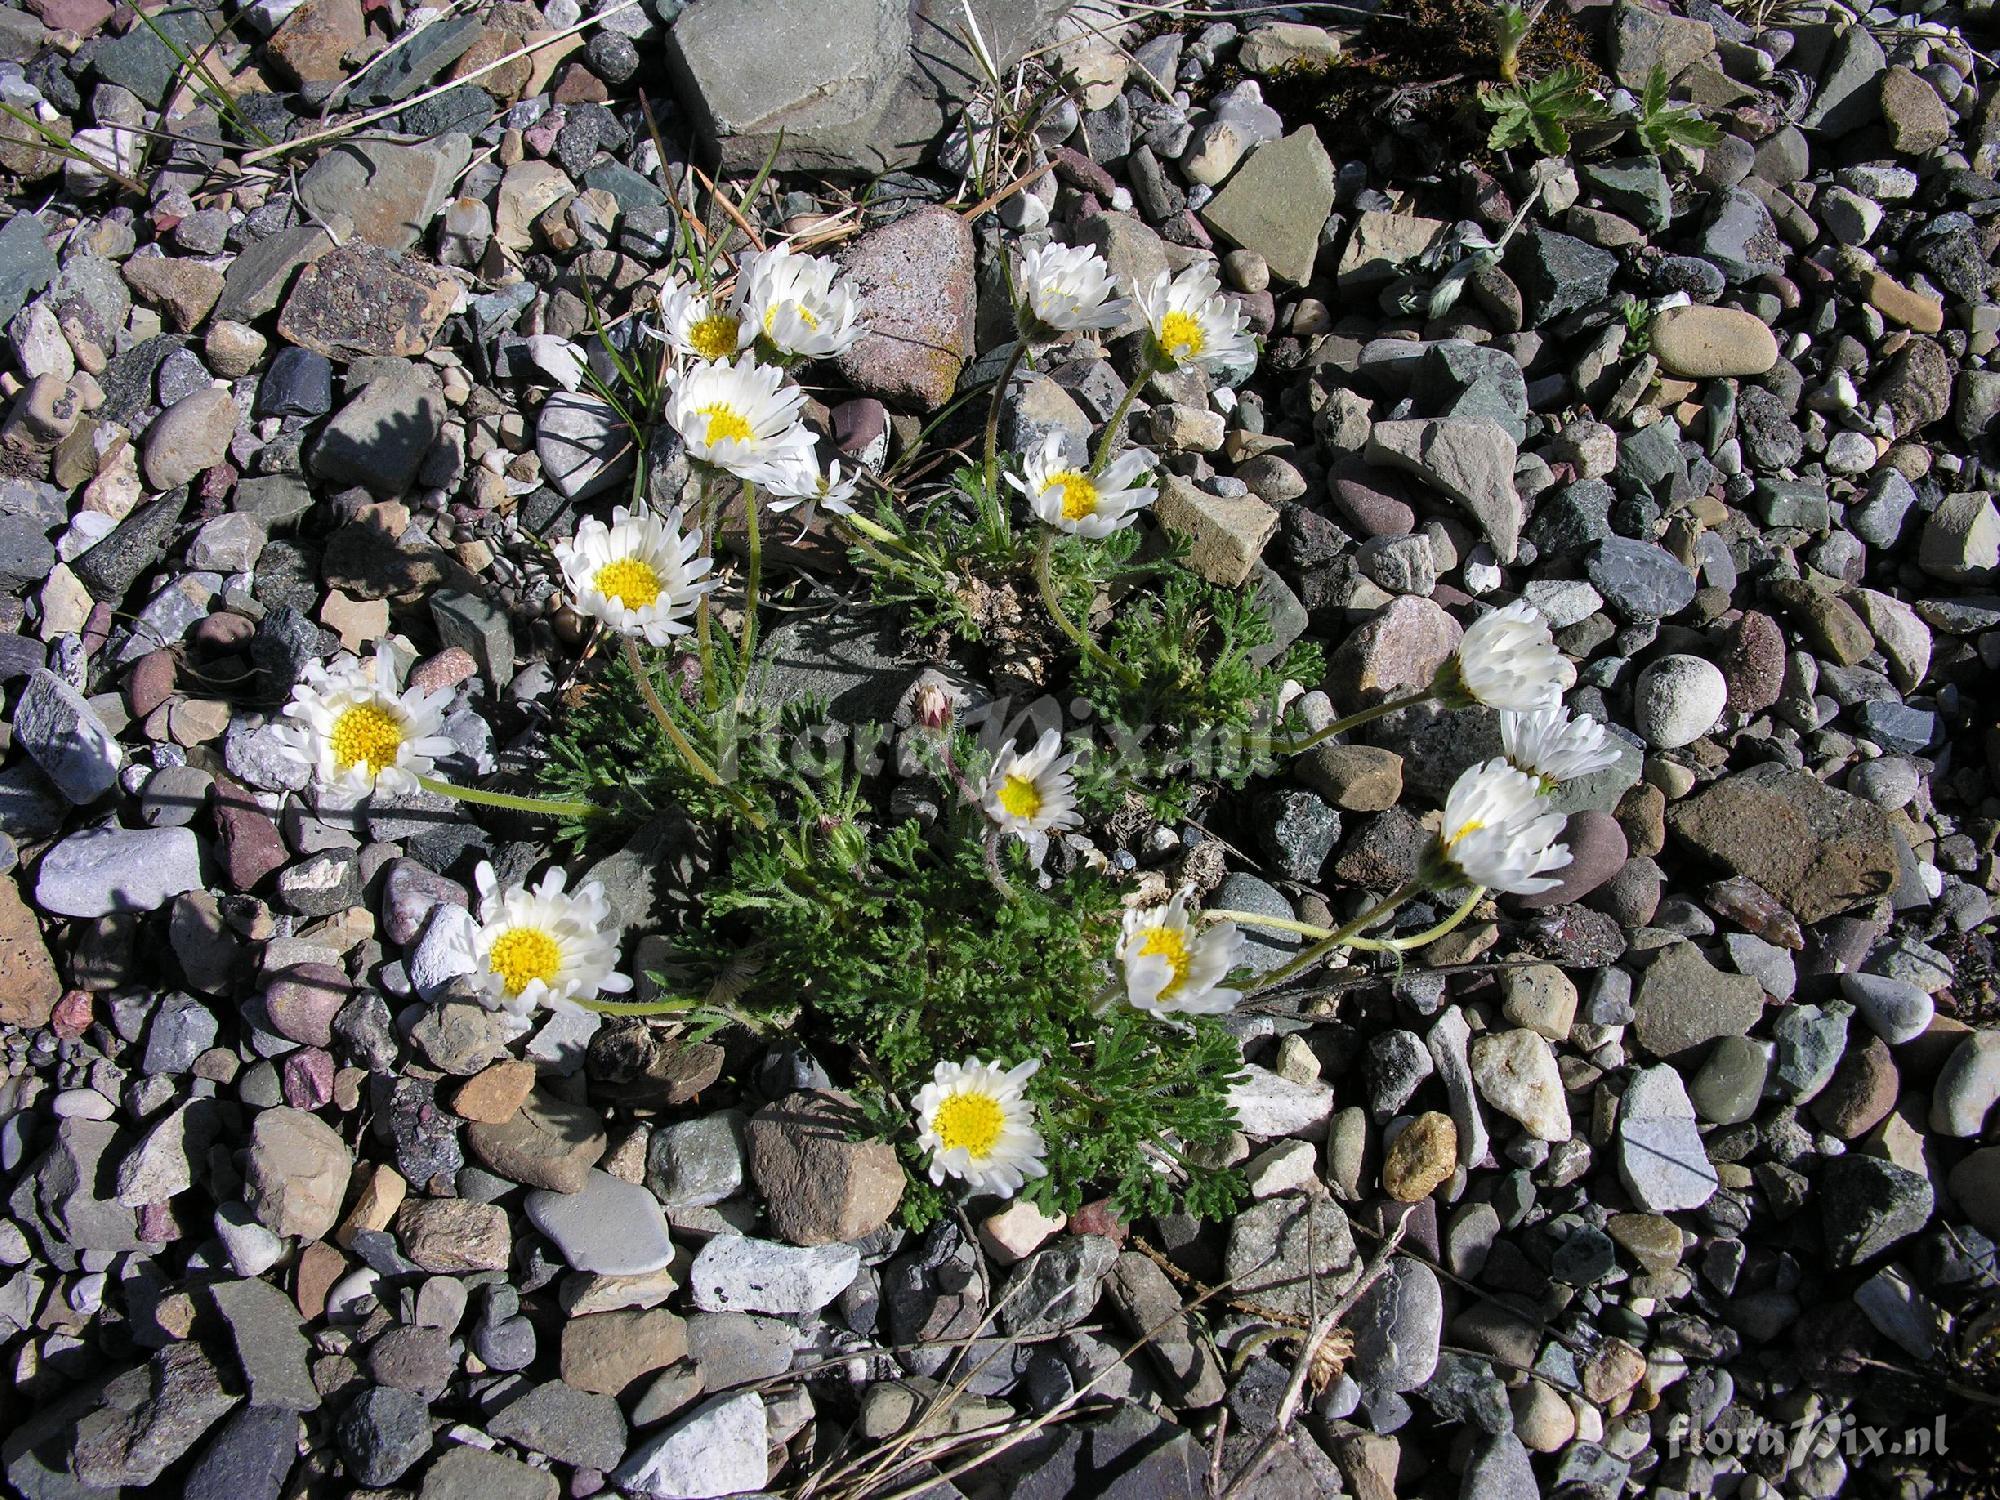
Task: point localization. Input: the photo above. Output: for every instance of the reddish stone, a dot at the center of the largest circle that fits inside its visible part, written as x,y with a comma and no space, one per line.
223,631
72,1016
96,629
308,1078
151,682
251,844
446,669
156,1224
1097,1218
578,85
84,17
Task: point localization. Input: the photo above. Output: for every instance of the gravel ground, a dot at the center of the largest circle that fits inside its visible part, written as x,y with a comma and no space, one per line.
1671,1180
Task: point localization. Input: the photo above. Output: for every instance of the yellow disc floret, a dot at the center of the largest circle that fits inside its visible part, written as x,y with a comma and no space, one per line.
1170,943
630,580
1020,796
521,955
969,1121
714,337
368,734
1181,336
805,315
725,425
1079,494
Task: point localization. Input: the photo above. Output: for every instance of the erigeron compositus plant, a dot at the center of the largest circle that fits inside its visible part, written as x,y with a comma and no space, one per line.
542,946
800,306
1172,966
1031,794
1553,747
353,732
1507,659
978,1125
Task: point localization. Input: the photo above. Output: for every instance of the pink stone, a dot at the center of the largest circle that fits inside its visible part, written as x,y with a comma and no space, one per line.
308,1078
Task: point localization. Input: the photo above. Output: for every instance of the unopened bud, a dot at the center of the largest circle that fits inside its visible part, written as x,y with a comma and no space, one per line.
932,708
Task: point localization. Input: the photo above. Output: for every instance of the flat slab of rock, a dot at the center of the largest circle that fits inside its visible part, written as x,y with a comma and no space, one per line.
1277,202
1469,460
548,1143
360,300
1817,849
718,1449
103,870
735,1273
1660,1153
915,282
611,1227
64,736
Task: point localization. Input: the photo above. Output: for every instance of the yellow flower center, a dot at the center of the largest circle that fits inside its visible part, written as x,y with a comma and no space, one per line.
1020,796
1170,943
1181,336
972,1122
1471,825
368,734
521,955
1079,494
725,425
804,312
630,580
714,337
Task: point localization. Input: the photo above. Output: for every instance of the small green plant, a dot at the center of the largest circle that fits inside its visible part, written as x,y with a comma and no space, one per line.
1662,127
1511,25
891,949
1638,316
1543,112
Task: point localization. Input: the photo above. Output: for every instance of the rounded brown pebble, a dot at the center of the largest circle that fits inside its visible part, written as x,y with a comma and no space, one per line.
1861,1093
1421,1158
1752,660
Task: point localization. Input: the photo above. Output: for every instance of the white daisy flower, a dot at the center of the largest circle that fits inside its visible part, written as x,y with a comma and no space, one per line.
801,304
1192,323
739,416
977,1124
1030,795
640,575
697,325
1508,659
803,482
1553,747
542,945
1073,500
1496,834
1067,287
356,733
1171,966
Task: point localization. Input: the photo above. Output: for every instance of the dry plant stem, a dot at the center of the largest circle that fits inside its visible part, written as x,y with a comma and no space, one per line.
546,806
752,575
688,753
340,132
1338,937
1428,935
1356,720
988,204
1288,1405
1111,428
993,416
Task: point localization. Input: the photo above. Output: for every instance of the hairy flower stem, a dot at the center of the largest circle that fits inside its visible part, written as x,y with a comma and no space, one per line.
1147,369
636,1007
681,743
993,405
994,876
753,575
508,800
1339,937
1428,935
1355,721
1045,580
711,695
